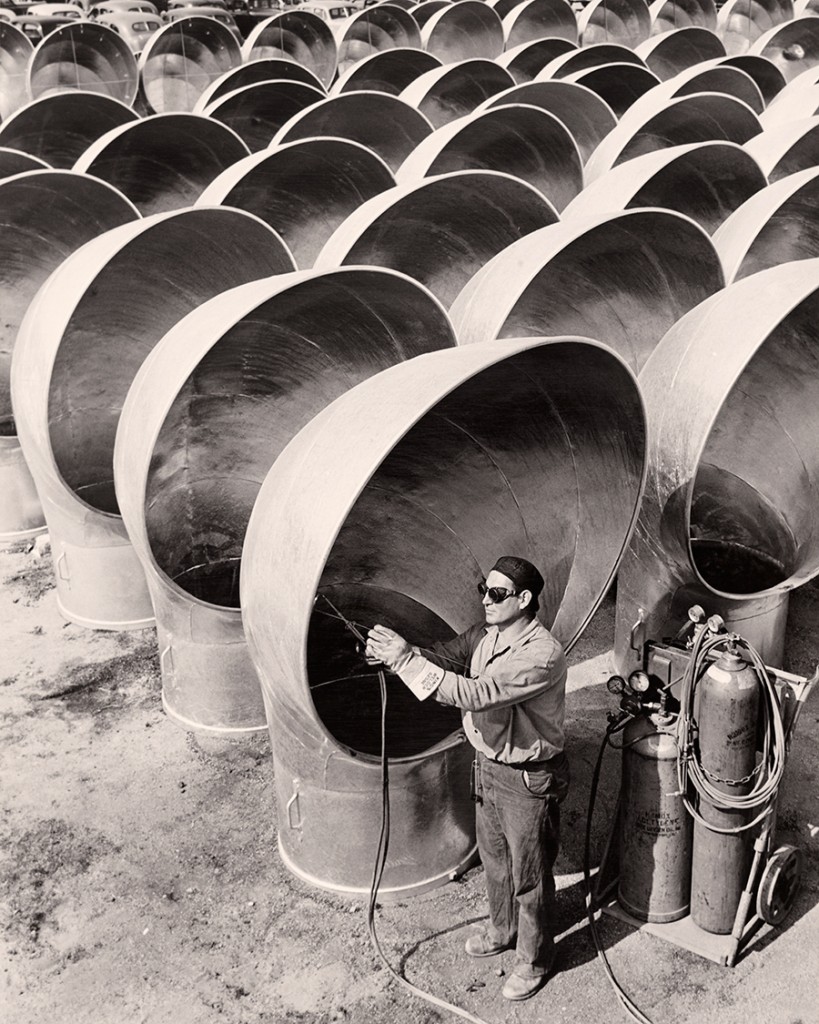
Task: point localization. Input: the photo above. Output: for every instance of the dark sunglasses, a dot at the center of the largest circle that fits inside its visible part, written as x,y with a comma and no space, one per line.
497,595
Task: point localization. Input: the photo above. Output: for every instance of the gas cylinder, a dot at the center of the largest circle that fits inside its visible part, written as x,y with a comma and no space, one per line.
655,828
727,709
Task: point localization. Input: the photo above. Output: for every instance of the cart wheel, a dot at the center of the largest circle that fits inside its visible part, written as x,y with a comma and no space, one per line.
779,884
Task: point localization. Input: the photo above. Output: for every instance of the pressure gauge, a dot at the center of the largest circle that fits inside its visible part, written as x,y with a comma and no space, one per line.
639,682
616,684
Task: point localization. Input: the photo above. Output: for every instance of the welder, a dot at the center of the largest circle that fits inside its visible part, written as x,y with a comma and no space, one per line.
508,676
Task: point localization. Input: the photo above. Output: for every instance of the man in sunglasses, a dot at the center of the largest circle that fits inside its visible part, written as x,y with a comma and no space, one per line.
508,676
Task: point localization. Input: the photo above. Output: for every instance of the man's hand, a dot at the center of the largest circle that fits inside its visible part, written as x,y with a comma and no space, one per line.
386,646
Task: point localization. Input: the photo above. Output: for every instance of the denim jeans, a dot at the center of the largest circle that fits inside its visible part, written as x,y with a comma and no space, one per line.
518,832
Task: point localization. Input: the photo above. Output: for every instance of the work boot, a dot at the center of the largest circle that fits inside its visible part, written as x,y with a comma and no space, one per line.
481,945
519,987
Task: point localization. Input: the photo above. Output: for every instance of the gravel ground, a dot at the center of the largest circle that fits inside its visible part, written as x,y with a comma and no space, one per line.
141,882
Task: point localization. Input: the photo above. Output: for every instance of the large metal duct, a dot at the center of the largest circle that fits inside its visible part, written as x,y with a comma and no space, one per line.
46,215
395,541
265,69
796,106
539,19
658,123
741,22
614,21
163,162
674,51
14,161
182,59
208,413
373,30
59,128
801,7
588,57
80,344
763,71
439,231
87,57
423,12
15,53
585,114
463,31
620,85
786,148
298,36
668,15
805,79
385,124
526,142
455,90
390,71
623,278
792,47
256,112
503,7
526,60
729,515
777,225
716,78
303,190
706,181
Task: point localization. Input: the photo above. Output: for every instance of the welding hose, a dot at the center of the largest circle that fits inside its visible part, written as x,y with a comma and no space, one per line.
628,1004
378,871
689,768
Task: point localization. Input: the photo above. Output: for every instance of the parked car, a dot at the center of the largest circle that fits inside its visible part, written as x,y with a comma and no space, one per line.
54,10
38,26
217,13
332,11
178,5
120,6
135,27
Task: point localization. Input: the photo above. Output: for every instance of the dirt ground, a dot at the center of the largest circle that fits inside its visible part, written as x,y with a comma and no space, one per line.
141,882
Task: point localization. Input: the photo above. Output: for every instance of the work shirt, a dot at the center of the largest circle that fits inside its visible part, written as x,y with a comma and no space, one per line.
512,694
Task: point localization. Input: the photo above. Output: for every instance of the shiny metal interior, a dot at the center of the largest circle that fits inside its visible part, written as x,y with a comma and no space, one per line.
763,71
524,141
14,161
398,543
297,36
654,122
614,21
134,293
455,90
390,71
423,12
728,519
439,231
720,78
263,69
786,148
182,59
778,225
623,278
620,85
373,30
670,15
741,22
386,124
304,190
463,31
588,57
588,117
677,49
46,215
706,181
538,19
526,60
256,112
15,52
86,57
163,162
793,47
59,128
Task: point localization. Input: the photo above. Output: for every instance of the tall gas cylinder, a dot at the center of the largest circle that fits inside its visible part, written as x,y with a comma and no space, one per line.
655,828
727,709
